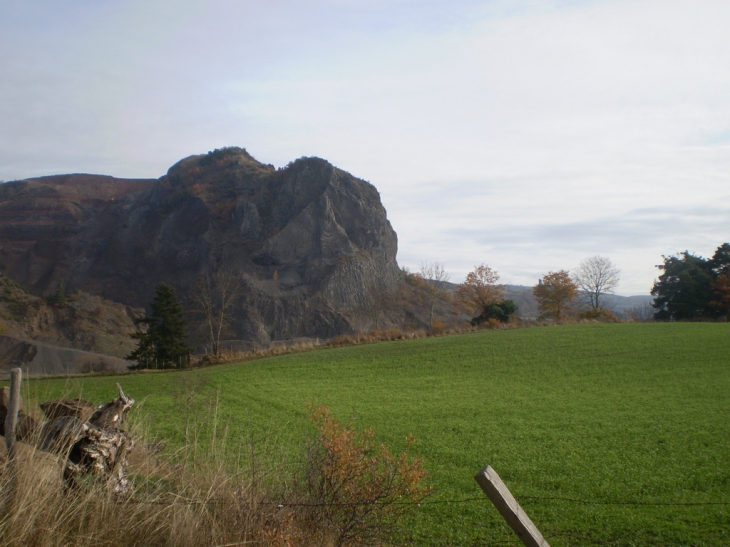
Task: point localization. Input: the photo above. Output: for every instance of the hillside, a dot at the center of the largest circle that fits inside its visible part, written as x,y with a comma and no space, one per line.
78,333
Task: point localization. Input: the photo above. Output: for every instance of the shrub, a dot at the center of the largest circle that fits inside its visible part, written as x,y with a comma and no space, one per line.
355,489
19,309
437,327
499,311
599,314
58,298
200,495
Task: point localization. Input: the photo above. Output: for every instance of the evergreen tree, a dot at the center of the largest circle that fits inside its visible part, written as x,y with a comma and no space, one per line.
163,344
500,310
688,287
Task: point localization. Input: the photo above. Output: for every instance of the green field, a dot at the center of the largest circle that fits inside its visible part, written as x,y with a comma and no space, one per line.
632,417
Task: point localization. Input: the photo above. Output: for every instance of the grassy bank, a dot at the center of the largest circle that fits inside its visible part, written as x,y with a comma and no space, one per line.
632,417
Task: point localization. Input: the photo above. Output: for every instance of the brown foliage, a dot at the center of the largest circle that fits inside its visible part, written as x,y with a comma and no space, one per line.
356,489
555,294
599,314
480,288
721,286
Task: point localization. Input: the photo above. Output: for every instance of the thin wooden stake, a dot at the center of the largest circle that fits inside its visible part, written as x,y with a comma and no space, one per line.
11,420
11,425
507,505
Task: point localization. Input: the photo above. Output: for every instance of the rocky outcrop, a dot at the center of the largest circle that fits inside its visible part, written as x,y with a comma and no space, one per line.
310,243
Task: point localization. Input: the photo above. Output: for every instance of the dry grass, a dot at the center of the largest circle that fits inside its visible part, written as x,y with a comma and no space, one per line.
194,502
196,496
353,339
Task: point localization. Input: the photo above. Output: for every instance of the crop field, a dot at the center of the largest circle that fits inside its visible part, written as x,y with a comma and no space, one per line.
606,434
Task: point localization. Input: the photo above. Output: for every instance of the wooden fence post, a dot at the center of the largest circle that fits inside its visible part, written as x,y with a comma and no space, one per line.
507,505
11,420
11,425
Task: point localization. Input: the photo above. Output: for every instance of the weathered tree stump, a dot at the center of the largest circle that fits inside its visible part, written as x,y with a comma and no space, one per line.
92,442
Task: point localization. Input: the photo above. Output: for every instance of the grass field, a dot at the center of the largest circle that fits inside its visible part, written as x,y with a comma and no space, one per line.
632,417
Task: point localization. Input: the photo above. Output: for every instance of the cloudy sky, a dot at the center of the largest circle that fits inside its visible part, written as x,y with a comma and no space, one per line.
527,135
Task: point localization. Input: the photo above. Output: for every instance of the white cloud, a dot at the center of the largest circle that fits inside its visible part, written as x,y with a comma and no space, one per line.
525,135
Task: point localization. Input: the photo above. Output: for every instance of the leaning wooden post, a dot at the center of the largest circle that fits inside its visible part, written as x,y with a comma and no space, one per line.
507,505
11,420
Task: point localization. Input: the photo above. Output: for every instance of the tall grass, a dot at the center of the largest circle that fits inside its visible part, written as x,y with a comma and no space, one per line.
186,499
197,496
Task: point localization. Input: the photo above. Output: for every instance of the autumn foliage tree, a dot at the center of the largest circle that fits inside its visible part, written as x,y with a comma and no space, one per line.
555,294
481,292
356,489
480,289
720,264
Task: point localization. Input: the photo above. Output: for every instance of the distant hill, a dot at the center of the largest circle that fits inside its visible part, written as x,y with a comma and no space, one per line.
618,304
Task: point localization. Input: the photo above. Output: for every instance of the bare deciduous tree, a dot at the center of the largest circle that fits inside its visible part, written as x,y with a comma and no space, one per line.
380,303
435,275
641,313
596,277
214,295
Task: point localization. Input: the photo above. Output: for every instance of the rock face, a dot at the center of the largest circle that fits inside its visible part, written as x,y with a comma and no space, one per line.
310,243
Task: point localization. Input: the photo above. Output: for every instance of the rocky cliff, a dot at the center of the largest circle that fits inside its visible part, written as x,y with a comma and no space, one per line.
310,244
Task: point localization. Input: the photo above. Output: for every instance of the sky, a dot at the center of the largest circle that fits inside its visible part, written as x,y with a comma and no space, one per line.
526,135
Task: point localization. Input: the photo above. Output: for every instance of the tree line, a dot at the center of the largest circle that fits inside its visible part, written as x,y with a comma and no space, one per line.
557,294
690,287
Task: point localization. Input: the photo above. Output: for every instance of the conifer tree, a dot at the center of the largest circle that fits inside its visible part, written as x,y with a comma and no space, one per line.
163,344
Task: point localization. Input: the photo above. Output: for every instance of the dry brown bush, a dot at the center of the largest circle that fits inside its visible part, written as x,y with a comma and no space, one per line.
354,490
